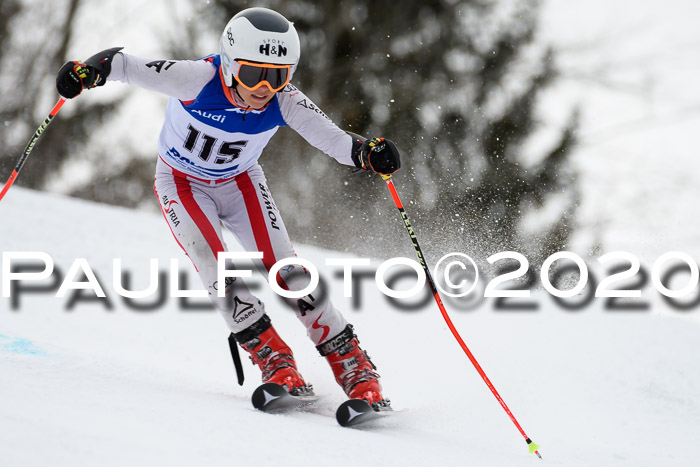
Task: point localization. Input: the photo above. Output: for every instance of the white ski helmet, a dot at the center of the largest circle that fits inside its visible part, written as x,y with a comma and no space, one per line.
258,35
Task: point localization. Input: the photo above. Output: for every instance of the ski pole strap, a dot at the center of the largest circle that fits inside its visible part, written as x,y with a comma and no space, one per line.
233,347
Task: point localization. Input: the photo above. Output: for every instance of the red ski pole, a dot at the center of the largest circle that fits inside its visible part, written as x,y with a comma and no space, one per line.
30,146
532,447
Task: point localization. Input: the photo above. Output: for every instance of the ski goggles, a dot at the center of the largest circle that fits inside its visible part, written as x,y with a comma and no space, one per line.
252,75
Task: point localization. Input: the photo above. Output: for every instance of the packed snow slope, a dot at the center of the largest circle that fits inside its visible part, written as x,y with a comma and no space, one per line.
89,384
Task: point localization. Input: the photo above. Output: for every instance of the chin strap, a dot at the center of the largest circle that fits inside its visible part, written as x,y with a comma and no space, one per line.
235,89
242,101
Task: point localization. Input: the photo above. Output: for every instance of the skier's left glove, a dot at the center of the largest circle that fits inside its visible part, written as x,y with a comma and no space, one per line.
379,155
75,76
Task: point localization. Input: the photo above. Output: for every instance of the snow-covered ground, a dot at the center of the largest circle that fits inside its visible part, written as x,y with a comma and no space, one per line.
115,386
98,386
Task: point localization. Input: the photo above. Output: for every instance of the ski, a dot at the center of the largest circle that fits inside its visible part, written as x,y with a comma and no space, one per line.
271,397
354,412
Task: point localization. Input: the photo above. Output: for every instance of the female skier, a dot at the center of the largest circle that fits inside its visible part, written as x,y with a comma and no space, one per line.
222,113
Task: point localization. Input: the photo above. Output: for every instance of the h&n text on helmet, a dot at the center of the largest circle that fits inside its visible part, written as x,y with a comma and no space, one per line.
273,47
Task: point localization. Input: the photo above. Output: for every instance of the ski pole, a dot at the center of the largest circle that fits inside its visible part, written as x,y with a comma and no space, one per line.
532,447
30,146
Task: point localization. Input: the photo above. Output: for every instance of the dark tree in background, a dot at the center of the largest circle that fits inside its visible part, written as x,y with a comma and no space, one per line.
23,75
454,83
34,40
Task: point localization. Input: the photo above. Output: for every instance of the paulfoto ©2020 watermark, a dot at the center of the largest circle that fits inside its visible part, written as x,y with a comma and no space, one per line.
509,281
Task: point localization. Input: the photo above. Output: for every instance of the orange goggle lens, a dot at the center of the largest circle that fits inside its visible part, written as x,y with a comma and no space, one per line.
253,75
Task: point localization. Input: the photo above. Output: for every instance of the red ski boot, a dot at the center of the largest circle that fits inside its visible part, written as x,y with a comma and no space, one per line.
273,356
353,369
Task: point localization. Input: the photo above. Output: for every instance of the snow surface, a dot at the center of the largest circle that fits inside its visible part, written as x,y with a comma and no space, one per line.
94,386
594,387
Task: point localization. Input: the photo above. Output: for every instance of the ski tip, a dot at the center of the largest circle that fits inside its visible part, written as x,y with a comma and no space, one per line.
271,397
352,411
266,394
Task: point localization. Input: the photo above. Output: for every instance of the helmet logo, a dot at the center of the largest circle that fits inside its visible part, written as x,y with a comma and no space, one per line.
230,36
273,47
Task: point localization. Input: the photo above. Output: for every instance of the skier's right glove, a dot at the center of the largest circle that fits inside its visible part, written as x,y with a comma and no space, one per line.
75,76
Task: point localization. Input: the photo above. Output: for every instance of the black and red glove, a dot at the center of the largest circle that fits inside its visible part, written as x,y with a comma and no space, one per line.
75,76
378,155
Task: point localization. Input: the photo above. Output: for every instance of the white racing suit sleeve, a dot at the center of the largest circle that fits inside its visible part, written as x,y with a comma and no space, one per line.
181,79
314,126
